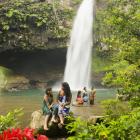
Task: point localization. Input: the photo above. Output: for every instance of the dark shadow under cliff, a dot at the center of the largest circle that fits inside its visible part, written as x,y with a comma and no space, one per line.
43,65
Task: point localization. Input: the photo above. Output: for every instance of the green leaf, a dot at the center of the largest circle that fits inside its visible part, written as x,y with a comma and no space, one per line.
6,27
10,13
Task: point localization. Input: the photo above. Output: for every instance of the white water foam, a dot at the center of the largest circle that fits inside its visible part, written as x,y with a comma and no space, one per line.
78,65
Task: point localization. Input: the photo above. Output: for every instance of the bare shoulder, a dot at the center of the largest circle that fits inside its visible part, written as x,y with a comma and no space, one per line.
45,97
61,92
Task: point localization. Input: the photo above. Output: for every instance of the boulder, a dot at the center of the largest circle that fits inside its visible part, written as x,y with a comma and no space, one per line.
16,83
95,119
37,119
37,122
123,97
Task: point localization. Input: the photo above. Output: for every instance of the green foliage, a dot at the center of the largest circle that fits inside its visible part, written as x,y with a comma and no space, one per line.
125,127
76,2
118,29
124,75
80,128
135,101
100,62
10,120
115,108
119,123
4,73
28,24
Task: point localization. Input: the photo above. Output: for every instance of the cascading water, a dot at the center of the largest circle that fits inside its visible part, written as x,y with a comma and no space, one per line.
78,65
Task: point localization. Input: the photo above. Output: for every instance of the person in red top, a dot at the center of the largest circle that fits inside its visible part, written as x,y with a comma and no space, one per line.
79,98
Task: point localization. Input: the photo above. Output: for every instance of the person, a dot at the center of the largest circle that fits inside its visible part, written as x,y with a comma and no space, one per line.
64,100
79,98
47,106
92,96
85,95
54,111
61,101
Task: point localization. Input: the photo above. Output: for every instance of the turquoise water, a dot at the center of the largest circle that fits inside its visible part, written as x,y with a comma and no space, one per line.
104,94
31,100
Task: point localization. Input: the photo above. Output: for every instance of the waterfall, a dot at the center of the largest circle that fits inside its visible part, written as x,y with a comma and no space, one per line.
78,64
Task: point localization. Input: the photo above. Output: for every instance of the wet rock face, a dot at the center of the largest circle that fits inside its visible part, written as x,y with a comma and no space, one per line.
16,83
37,66
16,87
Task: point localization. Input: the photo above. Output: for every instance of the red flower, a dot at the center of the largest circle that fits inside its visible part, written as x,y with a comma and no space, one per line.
18,134
28,134
42,137
14,134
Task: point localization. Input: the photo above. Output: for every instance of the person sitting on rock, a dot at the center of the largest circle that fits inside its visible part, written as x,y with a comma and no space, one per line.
47,106
79,98
85,95
58,107
54,111
64,100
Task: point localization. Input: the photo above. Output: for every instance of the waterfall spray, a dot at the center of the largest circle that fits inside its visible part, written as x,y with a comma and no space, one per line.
78,65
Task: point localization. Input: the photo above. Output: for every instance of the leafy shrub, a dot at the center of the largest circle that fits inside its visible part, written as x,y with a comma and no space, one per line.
125,127
135,102
81,129
115,108
10,120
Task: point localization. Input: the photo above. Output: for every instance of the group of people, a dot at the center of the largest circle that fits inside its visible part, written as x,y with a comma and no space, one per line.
56,107
83,96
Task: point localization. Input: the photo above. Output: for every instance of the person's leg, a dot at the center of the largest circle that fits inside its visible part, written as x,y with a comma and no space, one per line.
54,113
93,101
60,114
54,119
46,122
61,118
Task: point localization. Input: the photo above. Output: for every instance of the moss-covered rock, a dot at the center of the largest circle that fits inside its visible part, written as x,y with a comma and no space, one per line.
4,73
28,24
12,82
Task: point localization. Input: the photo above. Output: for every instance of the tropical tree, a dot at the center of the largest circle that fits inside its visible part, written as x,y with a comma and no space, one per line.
118,29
